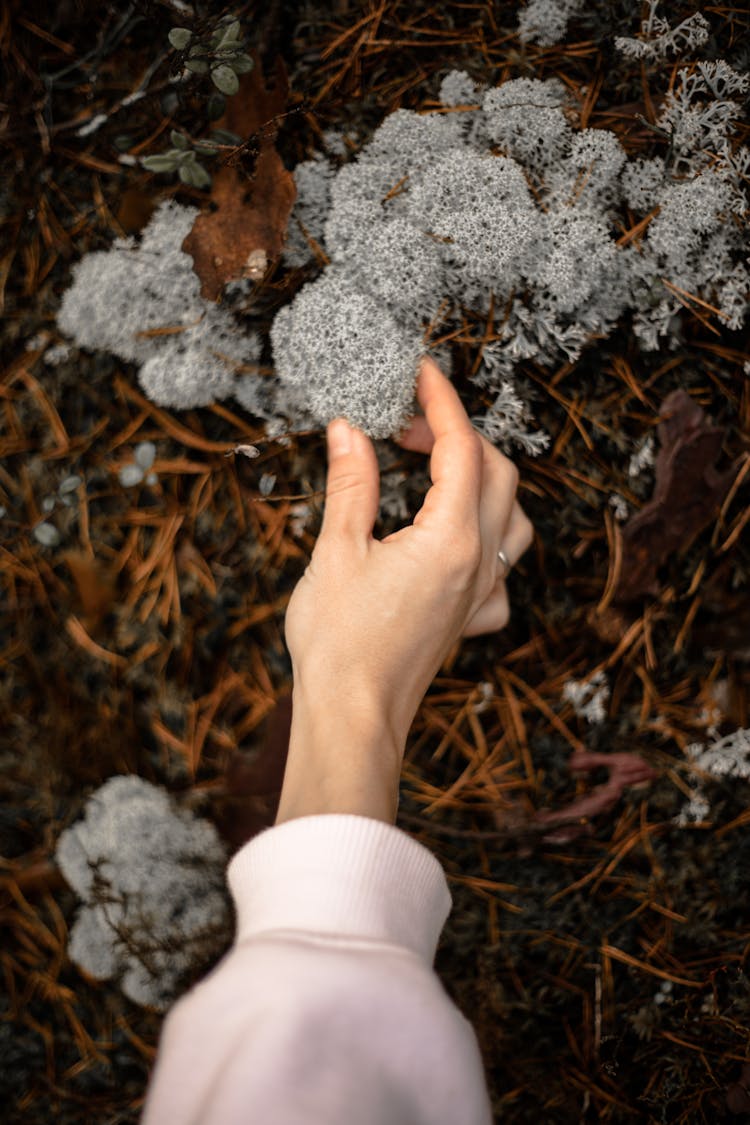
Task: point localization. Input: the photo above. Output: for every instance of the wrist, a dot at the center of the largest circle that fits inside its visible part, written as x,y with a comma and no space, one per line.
343,757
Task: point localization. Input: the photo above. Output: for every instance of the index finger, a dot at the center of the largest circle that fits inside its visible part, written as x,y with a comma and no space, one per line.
456,457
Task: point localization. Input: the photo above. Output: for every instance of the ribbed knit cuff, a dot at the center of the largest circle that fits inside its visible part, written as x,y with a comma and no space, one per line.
344,876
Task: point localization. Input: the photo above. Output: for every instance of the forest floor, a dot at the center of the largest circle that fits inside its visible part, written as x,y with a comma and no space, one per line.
599,948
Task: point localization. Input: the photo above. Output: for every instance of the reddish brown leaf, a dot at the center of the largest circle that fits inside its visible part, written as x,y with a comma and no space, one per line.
687,495
249,222
625,771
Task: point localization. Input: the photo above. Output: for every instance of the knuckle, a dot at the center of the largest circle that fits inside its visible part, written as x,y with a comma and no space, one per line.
465,559
472,559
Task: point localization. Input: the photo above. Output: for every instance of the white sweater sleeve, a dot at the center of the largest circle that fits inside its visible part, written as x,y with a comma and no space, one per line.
326,1010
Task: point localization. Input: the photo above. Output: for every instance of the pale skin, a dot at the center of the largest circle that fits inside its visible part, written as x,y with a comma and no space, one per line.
371,620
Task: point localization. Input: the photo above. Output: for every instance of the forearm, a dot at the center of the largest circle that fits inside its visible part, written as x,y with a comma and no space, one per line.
344,757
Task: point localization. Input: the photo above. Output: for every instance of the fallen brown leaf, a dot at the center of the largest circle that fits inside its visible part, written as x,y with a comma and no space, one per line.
626,770
687,495
249,222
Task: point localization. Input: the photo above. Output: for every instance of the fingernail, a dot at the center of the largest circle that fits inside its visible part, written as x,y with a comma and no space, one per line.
339,437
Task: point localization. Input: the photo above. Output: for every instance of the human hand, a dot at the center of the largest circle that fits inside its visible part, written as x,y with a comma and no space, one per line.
371,621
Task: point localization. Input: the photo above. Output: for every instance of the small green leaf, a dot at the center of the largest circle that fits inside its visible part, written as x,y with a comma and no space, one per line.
242,64
215,106
186,174
201,177
163,162
231,34
224,137
179,37
198,66
194,176
178,140
224,79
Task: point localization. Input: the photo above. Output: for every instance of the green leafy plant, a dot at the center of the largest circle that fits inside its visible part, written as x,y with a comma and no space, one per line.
183,159
220,53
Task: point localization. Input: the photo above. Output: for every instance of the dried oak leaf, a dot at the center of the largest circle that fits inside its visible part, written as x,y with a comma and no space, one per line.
250,218
687,495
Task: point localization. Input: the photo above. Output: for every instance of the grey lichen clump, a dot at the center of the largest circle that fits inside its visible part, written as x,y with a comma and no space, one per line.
339,352
155,908
658,39
546,21
726,757
141,301
504,205
498,207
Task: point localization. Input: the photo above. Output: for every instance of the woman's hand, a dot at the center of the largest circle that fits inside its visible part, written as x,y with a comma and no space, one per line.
371,621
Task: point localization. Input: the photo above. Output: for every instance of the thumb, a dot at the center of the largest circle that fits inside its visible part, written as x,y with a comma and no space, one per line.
353,483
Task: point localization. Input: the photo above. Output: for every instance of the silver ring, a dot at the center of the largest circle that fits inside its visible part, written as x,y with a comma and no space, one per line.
506,562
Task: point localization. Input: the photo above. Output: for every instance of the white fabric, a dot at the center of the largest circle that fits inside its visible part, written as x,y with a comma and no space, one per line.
326,1011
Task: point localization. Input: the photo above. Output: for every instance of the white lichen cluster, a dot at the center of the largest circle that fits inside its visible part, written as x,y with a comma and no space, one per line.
504,205
545,22
658,39
588,697
699,116
505,422
151,877
497,207
619,506
643,458
141,301
726,757
696,245
312,179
